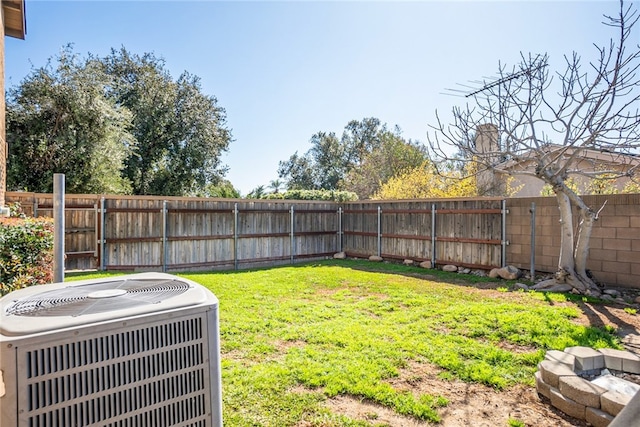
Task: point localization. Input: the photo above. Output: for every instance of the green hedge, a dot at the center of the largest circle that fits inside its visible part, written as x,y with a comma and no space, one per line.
26,252
324,195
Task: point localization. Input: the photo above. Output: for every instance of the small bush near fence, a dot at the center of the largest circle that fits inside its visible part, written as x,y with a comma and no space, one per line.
323,195
26,252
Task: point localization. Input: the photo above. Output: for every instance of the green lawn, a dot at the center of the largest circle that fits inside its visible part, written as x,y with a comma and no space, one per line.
294,336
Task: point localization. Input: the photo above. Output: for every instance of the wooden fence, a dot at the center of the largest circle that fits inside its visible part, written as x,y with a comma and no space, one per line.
467,233
152,233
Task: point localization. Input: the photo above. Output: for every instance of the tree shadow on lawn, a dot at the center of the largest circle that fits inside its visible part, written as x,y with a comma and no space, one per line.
602,315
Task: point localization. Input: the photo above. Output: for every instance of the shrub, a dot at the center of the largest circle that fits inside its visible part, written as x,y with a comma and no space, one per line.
324,195
26,252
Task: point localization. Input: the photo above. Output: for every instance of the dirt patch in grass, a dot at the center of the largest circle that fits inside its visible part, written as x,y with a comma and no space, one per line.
479,405
469,404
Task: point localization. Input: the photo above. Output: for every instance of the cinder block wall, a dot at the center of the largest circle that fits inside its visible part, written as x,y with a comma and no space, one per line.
614,257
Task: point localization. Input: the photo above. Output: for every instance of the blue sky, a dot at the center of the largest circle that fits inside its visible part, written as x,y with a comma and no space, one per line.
286,70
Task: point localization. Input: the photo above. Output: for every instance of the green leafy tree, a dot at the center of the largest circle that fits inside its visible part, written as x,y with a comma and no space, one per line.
322,167
221,190
60,120
364,157
180,132
257,193
275,186
393,157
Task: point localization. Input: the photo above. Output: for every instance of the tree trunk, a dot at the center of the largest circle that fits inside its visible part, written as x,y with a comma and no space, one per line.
566,261
587,218
572,272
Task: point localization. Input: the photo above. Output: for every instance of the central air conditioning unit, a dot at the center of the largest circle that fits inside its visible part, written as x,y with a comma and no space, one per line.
130,351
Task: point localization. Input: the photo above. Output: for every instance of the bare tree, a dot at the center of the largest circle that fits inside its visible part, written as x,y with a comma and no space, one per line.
531,121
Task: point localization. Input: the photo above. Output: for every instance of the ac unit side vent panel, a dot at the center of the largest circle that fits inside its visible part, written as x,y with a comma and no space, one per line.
63,357
97,298
64,388
189,411
156,375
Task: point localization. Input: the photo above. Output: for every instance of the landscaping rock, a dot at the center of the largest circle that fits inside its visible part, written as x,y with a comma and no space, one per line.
551,286
425,264
340,255
375,258
408,262
612,292
479,273
450,268
463,270
507,273
637,300
521,286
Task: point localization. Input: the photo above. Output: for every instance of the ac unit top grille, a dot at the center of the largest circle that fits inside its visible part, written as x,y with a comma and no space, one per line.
97,298
64,305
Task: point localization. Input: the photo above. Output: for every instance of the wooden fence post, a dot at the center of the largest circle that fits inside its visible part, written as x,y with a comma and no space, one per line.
96,225
340,229
235,236
292,238
102,231
379,231
164,236
505,242
433,235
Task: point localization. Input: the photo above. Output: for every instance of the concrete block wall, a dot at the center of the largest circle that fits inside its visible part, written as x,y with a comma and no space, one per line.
614,257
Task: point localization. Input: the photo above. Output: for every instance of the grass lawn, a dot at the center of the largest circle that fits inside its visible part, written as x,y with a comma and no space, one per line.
294,336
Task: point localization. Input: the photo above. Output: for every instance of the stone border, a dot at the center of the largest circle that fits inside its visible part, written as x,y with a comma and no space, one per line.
558,379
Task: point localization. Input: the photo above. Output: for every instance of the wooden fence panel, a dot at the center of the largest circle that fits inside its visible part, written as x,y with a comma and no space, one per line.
360,229
133,234
467,232
406,230
200,234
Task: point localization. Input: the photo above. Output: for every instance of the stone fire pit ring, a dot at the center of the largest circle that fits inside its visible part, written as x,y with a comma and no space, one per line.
561,378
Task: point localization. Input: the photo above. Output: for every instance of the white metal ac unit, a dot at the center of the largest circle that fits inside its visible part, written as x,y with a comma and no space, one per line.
131,351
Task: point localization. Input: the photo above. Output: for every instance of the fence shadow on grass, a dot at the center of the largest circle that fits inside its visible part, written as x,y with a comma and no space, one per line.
468,280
